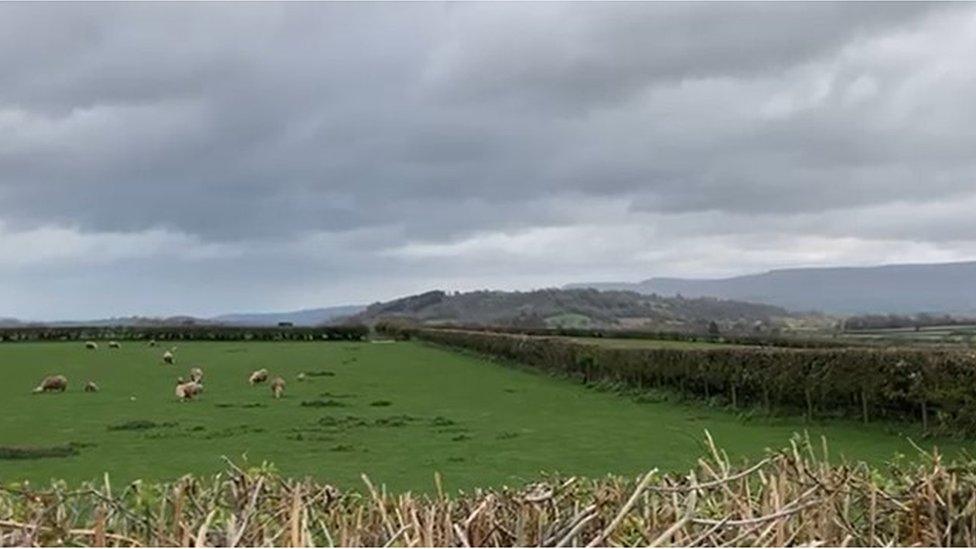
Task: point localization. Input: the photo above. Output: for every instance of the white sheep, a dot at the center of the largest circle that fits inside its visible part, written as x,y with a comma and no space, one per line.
168,358
57,383
277,387
188,390
114,345
259,376
196,374
91,345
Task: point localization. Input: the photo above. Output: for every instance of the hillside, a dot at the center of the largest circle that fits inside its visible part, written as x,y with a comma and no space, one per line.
571,308
899,289
304,317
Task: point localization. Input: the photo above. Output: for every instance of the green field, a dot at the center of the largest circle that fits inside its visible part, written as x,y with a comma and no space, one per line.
953,334
397,411
639,343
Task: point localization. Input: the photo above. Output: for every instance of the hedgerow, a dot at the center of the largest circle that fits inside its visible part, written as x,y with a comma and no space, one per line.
394,328
936,387
184,333
794,497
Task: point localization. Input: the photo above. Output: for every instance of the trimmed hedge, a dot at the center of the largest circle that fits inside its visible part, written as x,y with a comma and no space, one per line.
936,387
166,333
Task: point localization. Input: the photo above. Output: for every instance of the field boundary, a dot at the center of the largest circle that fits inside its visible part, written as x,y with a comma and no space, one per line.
934,387
760,340
795,496
184,333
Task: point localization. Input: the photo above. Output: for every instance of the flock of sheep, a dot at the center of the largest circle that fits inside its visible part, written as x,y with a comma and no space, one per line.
186,389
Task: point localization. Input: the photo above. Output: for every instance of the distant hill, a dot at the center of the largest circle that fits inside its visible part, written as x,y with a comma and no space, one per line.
897,289
570,308
181,320
304,317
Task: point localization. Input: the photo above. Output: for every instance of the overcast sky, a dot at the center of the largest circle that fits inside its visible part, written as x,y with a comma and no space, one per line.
208,158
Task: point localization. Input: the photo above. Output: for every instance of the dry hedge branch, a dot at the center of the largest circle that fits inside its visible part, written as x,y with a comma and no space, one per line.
791,497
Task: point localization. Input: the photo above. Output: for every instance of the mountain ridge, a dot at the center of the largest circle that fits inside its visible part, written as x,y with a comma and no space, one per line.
300,317
903,288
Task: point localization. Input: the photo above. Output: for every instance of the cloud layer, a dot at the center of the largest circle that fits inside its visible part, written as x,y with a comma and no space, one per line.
202,158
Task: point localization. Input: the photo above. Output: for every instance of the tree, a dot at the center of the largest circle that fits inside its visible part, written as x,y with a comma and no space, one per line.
713,328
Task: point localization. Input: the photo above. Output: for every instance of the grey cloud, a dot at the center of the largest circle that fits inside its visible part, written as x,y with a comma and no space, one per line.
261,125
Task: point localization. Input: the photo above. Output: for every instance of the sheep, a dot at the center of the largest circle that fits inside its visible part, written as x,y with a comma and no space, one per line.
277,387
301,376
91,387
188,390
152,342
57,383
91,345
168,357
259,376
196,375
114,345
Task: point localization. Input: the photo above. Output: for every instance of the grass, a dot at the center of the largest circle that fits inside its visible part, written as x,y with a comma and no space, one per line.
476,422
637,343
569,320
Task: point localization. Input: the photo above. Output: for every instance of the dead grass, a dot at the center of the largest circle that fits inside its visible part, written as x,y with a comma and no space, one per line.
792,497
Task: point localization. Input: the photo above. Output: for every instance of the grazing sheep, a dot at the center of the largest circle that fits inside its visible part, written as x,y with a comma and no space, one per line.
196,375
188,390
91,387
301,376
91,345
152,342
277,387
168,357
57,383
114,345
259,376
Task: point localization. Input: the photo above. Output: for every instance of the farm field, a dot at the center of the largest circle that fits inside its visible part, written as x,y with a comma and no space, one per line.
637,343
396,411
954,334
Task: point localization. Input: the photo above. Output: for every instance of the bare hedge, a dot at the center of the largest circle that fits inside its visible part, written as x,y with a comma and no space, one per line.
936,387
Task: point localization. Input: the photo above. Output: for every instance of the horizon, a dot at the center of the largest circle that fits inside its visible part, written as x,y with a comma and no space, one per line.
279,157
216,315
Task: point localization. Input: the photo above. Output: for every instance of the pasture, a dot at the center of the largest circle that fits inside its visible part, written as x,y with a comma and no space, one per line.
637,343
396,411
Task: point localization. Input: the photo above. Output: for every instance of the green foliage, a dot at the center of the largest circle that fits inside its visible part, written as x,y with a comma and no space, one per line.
539,308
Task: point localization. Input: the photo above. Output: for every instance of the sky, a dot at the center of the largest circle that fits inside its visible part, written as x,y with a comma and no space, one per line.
209,158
